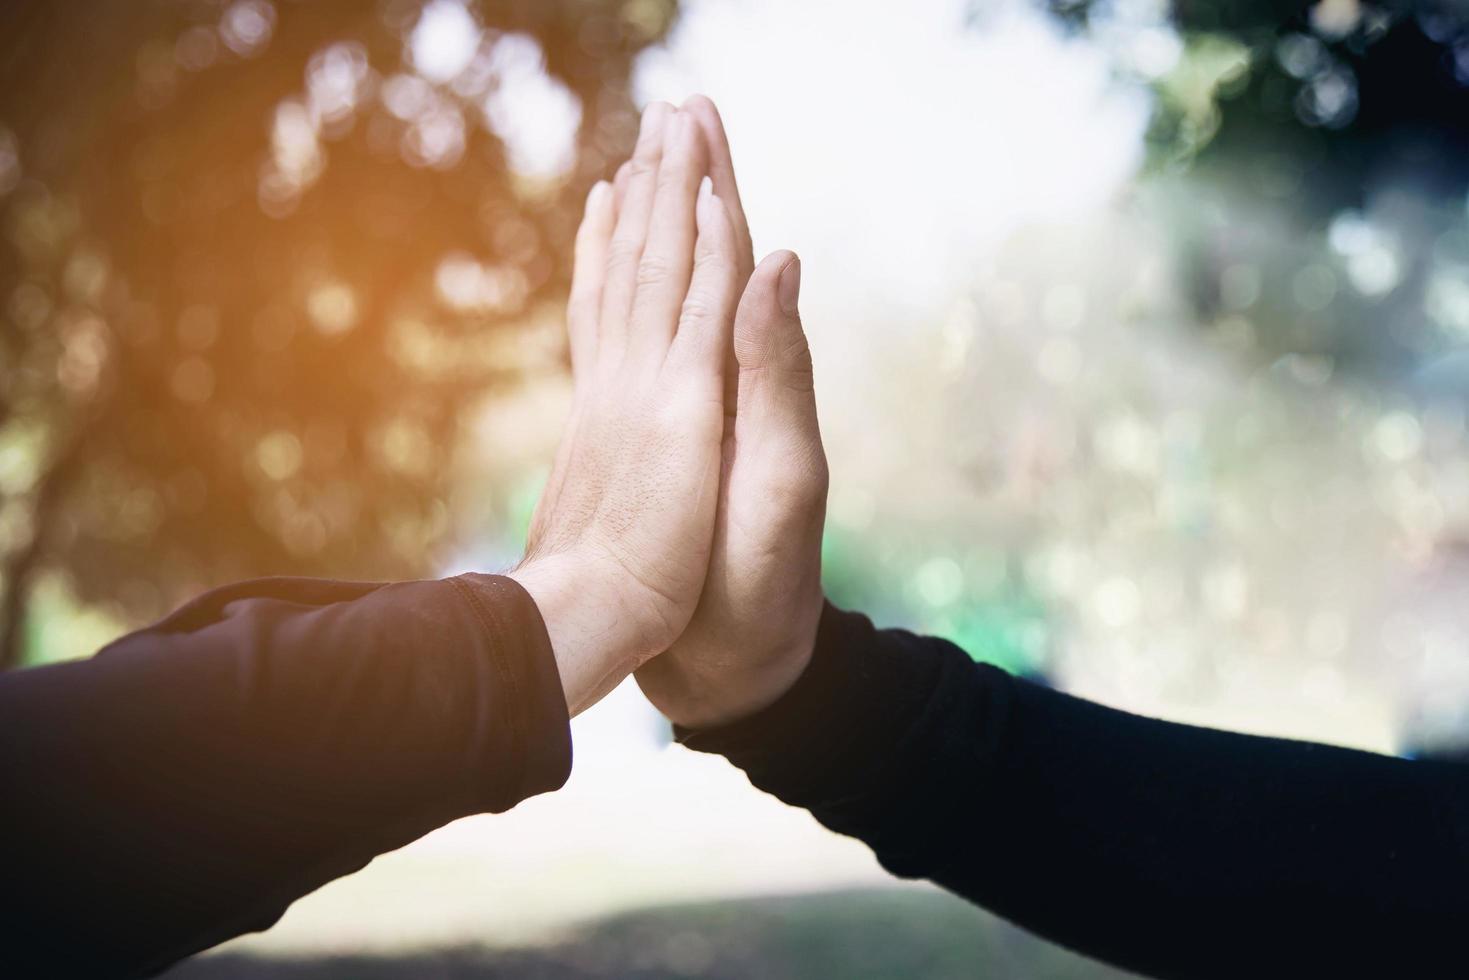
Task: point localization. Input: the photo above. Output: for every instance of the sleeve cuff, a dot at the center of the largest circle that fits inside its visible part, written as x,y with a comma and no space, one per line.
847,721
888,737
523,728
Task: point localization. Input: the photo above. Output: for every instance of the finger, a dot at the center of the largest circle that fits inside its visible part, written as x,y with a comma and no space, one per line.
776,417
722,173
668,255
589,266
631,231
619,182
770,347
706,319
588,271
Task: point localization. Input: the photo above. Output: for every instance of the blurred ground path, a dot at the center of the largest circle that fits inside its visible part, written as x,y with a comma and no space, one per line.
646,840
858,934
640,823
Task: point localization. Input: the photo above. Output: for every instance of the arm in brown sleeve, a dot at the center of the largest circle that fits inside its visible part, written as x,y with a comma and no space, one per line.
193,779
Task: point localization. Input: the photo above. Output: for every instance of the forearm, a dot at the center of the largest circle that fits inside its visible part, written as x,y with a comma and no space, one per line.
193,779
1188,852
1176,851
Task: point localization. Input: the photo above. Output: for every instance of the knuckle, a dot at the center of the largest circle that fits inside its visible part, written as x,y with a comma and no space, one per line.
798,372
710,258
803,482
800,382
820,476
751,351
674,173
689,405
642,167
624,252
654,270
698,307
796,351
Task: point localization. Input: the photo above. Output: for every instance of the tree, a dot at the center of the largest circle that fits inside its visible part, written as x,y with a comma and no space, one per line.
1327,154
257,262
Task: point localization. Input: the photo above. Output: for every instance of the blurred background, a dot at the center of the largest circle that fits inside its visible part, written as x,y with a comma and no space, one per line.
1142,344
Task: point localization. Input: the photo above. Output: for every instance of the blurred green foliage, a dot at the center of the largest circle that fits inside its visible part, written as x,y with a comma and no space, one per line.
1326,149
979,603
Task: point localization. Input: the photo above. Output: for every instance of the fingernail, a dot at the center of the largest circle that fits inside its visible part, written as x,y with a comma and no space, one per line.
788,290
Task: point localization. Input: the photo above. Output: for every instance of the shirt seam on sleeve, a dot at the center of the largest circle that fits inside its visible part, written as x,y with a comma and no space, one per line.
494,627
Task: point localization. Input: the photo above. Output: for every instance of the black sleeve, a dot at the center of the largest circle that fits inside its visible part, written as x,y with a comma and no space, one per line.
193,779
1167,849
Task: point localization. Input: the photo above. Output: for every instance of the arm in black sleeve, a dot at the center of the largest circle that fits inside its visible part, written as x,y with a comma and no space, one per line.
193,779
1167,849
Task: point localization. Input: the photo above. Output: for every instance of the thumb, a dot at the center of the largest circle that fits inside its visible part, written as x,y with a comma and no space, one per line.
775,410
770,347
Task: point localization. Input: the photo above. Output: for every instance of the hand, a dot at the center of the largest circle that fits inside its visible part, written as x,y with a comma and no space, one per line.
755,626
621,538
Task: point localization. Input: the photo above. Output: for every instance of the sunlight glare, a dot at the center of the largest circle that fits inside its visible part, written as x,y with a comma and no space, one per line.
444,40
532,112
905,146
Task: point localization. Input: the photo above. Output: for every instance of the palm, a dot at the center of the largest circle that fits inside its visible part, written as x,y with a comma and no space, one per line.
756,618
661,524
764,536
631,503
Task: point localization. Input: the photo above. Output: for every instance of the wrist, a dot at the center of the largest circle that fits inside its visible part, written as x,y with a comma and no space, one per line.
706,692
581,609
707,703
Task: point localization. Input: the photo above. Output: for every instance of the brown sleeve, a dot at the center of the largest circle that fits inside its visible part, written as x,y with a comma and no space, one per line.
193,779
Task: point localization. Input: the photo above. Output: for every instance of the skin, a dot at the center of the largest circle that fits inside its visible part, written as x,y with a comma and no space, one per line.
680,534
621,539
753,632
